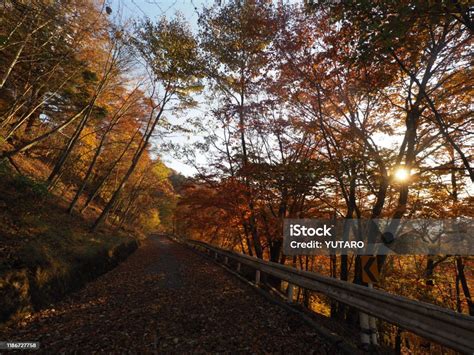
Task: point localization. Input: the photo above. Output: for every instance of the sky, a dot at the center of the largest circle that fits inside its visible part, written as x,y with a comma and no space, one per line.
157,8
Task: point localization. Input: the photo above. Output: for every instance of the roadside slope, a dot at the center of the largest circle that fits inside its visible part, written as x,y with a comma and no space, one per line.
44,252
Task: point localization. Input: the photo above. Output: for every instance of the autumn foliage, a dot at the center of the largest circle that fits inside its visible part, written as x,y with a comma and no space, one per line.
306,110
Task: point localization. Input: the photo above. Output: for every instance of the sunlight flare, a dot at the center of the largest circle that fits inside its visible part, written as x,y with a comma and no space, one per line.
401,174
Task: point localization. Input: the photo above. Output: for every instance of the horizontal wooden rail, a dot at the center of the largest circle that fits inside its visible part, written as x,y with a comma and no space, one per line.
441,325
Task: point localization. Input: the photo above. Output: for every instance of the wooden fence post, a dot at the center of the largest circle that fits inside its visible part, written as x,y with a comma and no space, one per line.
373,326
290,291
364,330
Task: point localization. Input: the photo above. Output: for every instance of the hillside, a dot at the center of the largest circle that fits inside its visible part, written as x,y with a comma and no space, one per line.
44,251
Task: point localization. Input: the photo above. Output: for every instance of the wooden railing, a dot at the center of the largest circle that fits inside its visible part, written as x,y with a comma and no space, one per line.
441,325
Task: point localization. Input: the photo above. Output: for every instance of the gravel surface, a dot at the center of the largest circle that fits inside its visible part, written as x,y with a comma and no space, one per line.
166,299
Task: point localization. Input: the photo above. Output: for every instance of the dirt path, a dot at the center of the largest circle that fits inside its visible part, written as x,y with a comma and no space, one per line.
166,298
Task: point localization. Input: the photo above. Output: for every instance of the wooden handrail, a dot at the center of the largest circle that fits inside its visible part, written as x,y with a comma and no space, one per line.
441,325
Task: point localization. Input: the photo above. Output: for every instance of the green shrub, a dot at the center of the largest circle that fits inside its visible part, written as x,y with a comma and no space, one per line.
30,187
4,168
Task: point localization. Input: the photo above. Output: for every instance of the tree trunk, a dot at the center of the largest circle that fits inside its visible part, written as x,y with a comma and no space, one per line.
464,285
14,61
